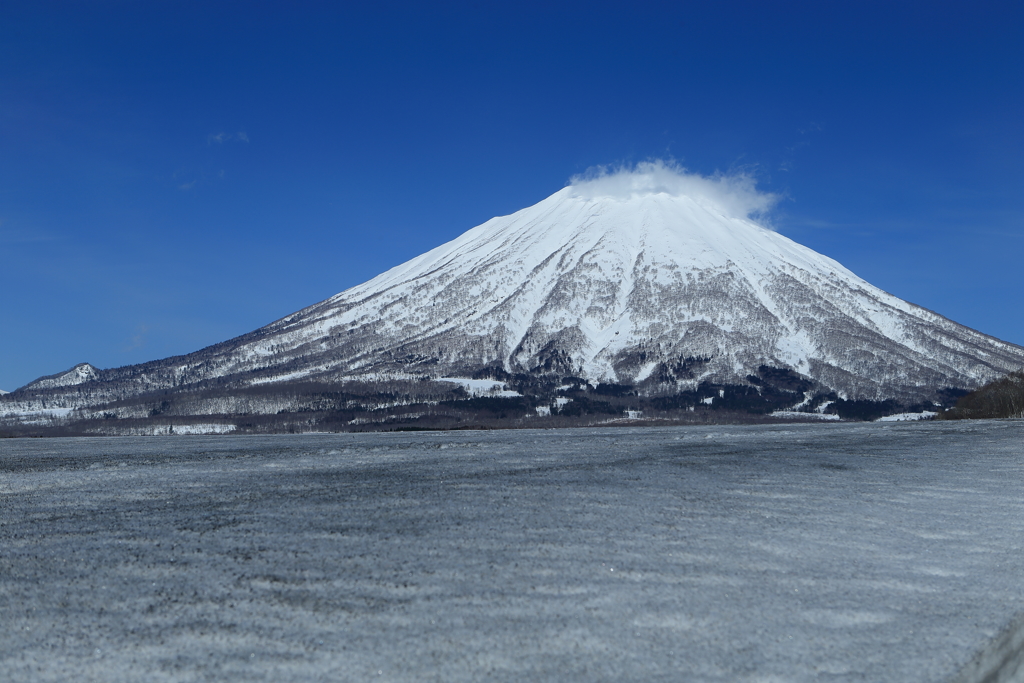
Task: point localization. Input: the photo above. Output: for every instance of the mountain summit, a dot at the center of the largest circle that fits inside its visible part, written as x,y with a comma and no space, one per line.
650,278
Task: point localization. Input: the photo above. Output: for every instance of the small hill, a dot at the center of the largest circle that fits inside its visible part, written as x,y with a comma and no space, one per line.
1001,398
80,374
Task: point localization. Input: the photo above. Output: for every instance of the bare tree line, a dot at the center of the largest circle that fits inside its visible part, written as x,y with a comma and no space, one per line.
1001,398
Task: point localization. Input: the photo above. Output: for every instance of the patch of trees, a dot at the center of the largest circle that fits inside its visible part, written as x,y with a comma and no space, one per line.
863,409
757,400
603,389
482,407
780,378
683,368
582,405
1001,398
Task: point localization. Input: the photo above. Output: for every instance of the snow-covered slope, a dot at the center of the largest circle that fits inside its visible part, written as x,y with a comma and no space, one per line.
649,276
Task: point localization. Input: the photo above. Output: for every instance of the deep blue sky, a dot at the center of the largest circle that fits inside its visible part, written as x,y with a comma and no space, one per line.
173,174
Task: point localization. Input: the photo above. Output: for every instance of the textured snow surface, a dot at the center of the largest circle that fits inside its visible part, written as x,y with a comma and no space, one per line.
799,553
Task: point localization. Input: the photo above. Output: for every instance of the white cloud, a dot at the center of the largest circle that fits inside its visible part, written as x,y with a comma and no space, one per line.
734,195
242,136
138,340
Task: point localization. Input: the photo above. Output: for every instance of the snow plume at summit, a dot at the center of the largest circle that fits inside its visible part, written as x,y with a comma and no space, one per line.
734,195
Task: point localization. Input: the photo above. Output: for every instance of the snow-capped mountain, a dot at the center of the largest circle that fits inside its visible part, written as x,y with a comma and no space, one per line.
649,277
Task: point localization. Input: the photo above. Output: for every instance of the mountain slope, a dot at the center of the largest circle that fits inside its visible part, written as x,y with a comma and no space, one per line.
659,281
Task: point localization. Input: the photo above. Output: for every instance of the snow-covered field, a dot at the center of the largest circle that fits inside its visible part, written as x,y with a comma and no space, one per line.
796,552
908,417
159,430
482,387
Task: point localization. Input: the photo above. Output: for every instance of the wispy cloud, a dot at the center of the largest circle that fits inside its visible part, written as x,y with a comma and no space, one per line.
138,340
222,137
187,186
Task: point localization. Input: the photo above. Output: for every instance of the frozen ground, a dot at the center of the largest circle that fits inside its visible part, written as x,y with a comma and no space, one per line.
825,552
